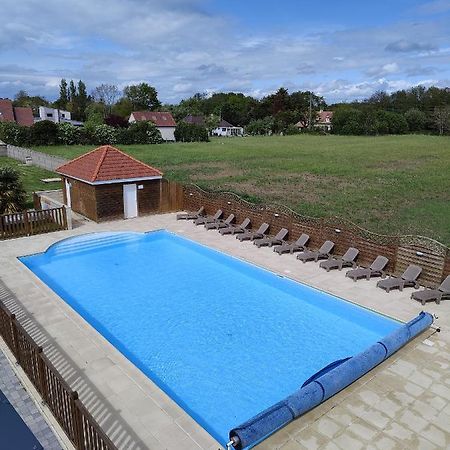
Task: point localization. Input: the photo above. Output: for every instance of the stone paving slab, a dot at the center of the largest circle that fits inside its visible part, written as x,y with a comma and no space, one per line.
403,403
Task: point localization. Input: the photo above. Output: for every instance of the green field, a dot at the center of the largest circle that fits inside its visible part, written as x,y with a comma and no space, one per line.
388,184
31,177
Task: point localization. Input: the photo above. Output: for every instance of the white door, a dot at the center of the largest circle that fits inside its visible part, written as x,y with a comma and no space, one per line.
68,194
130,206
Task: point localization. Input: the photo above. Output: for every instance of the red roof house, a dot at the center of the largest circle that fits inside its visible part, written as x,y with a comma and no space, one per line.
106,184
21,115
164,121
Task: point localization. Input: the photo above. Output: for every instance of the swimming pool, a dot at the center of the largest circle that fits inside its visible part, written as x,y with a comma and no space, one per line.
223,338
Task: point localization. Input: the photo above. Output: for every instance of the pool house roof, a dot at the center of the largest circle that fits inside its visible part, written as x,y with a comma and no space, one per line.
107,164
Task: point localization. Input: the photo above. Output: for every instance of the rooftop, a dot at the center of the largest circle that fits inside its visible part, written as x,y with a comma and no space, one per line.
160,119
106,164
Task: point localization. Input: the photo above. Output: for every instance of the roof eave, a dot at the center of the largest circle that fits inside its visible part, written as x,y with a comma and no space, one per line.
115,181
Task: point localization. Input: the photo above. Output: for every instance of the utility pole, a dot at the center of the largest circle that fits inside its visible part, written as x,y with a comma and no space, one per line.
310,111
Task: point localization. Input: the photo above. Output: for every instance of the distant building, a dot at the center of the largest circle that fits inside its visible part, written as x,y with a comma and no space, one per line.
20,115
195,120
56,115
162,120
225,129
323,121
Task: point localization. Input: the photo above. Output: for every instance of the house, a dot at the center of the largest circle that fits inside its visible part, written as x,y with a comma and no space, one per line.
226,129
163,121
195,120
107,184
20,115
323,121
56,115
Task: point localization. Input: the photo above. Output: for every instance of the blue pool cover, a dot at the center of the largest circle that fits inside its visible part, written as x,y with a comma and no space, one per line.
223,338
14,434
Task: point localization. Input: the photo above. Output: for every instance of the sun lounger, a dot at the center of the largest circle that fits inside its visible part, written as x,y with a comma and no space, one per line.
322,253
429,295
236,229
270,241
209,219
191,216
220,223
347,260
250,235
407,279
297,246
376,269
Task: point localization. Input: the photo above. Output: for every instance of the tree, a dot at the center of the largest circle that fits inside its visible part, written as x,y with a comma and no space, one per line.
82,101
142,96
189,132
72,93
442,119
44,132
416,119
106,94
123,108
94,114
63,99
12,193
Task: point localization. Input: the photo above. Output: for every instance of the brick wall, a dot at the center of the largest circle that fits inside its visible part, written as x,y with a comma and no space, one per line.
109,201
432,256
149,197
83,198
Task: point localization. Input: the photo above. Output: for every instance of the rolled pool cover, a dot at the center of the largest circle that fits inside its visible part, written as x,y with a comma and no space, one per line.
327,382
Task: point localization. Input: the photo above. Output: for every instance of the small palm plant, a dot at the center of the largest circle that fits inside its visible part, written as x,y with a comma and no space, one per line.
12,193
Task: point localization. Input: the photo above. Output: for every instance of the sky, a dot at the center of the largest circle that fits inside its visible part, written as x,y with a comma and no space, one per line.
342,50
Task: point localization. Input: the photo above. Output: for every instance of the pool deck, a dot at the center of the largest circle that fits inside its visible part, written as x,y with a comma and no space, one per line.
402,404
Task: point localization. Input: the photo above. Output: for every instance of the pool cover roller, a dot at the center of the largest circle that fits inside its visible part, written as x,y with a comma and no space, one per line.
324,384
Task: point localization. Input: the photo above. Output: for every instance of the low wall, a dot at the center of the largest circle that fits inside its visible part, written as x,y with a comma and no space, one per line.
52,199
38,159
427,253
3,149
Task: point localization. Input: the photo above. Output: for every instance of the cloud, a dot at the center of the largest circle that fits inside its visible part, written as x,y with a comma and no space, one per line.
386,69
435,7
405,46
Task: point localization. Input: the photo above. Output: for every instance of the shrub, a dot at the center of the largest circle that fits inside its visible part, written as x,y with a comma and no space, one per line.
116,121
143,133
260,126
12,192
291,129
190,132
44,133
68,134
101,134
14,134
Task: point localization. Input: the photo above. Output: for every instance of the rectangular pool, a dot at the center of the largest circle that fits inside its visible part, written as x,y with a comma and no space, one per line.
223,338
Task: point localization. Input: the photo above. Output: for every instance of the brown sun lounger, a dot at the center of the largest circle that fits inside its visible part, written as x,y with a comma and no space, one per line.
376,269
236,229
209,219
192,216
346,260
407,279
297,246
436,295
220,223
322,253
270,241
250,235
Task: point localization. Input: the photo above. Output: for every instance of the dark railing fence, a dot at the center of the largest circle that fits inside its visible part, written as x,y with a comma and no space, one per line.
79,425
28,223
431,255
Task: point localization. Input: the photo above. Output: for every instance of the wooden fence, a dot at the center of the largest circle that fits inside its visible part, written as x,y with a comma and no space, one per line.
79,425
28,223
431,255
171,198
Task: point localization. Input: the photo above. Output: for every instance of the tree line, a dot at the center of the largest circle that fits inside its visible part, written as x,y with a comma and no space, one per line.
418,109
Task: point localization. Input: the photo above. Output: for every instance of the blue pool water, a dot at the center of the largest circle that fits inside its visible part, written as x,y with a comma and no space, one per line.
225,339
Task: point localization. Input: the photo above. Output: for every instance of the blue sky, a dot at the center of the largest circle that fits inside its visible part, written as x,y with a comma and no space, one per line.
342,50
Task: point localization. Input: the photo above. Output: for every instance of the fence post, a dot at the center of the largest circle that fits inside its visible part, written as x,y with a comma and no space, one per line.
15,338
26,223
42,376
77,423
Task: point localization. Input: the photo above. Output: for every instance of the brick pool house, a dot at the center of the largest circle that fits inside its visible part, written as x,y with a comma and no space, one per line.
107,184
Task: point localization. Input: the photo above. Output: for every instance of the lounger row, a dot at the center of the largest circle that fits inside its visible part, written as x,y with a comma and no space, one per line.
348,259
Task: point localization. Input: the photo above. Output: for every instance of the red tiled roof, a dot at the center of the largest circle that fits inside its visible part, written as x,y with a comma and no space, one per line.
196,120
6,111
160,119
324,116
107,163
24,116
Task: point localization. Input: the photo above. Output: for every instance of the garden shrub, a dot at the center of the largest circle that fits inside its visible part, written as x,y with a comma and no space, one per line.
14,134
190,132
44,133
143,133
68,134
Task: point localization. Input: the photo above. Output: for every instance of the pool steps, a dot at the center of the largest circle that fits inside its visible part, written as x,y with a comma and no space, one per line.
324,384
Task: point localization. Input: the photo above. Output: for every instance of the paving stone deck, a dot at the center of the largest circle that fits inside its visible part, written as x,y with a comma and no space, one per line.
402,404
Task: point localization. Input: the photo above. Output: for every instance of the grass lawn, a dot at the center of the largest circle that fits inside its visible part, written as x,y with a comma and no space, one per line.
31,177
388,184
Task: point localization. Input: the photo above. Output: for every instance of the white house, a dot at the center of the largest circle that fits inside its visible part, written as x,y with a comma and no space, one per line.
163,121
56,115
226,129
